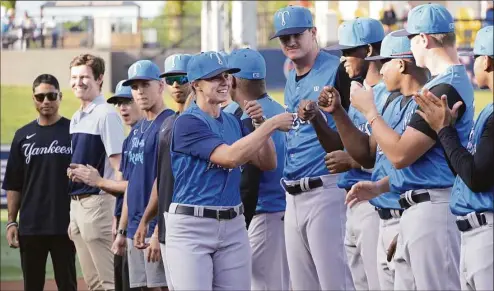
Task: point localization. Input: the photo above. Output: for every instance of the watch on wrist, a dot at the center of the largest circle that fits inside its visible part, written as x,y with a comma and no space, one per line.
257,124
122,232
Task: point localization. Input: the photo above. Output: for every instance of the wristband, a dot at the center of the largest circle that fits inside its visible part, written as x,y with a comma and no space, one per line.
122,232
373,119
256,125
12,223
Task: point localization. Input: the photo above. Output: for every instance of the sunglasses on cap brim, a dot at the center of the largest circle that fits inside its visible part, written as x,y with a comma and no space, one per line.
52,96
180,79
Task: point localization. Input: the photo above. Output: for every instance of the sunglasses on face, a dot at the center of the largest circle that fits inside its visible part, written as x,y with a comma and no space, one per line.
52,96
123,102
181,80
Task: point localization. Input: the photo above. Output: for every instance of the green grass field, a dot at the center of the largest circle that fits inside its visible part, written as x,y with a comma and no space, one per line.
17,108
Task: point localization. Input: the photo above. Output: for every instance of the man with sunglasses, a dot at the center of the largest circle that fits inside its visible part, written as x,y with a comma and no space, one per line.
130,114
472,195
418,167
147,90
37,186
313,216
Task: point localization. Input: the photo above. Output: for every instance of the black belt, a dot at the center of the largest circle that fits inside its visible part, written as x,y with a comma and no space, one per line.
81,196
417,198
296,189
223,214
464,224
385,213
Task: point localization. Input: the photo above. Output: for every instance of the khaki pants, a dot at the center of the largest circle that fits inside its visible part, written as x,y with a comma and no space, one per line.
91,231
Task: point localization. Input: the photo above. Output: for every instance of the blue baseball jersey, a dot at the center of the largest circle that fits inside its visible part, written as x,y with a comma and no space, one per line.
431,170
393,116
125,169
142,155
304,154
231,108
347,179
464,200
197,180
271,197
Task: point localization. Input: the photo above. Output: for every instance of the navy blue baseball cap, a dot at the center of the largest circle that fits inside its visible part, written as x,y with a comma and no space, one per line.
428,19
292,20
143,70
358,32
251,63
394,48
484,44
176,65
121,92
207,65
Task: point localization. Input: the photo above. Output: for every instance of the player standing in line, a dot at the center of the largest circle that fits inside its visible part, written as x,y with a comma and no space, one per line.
400,75
147,91
36,184
472,196
207,245
358,39
260,190
175,75
97,139
418,168
130,114
314,219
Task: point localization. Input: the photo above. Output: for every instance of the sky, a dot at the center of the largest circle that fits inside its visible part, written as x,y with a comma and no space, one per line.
148,8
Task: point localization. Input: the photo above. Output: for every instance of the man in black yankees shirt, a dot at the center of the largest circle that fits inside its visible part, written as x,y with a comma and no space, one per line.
37,185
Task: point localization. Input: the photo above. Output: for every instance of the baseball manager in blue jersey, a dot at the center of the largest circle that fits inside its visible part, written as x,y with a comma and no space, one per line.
314,219
207,246
420,171
472,196
261,190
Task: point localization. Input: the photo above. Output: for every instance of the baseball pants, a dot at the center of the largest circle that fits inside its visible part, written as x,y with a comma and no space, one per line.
388,229
267,240
314,233
476,261
34,251
205,253
428,250
91,232
362,231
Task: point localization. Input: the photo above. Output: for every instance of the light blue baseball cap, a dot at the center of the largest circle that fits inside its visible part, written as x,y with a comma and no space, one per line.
394,48
121,92
429,19
484,44
292,20
206,65
358,32
251,63
143,70
176,65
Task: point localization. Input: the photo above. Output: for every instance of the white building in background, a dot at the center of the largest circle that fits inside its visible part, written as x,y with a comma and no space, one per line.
107,17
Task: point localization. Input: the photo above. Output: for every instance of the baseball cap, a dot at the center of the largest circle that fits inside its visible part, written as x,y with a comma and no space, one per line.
429,19
484,43
358,32
143,70
176,65
251,63
121,92
206,65
292,20
393,48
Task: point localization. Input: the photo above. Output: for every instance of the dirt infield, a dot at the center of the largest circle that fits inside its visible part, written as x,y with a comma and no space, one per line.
50,285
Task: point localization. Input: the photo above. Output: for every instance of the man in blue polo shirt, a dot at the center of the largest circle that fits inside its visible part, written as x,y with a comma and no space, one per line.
97,139
147,91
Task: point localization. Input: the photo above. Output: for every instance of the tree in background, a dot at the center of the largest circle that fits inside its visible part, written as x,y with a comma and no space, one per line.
8,4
